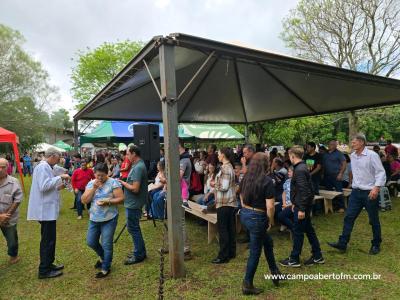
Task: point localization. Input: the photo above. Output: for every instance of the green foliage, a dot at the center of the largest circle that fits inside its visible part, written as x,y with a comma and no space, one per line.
96,67
60,120
24,118
24,90
21,75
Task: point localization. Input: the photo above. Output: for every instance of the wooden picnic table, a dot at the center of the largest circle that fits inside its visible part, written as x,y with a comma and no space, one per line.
328,197
211,218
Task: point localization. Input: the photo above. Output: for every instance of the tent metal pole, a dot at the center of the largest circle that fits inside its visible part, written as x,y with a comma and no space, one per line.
170,121
76,146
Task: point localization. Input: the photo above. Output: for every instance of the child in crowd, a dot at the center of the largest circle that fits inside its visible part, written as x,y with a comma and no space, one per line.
285,217
209,198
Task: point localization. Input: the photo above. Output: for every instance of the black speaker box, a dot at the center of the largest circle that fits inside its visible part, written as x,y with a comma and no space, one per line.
147,138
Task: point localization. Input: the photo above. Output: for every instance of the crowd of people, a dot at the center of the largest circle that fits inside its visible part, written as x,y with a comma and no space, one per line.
266,187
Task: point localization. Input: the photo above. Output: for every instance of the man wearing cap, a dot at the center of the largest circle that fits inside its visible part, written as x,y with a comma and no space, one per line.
368,177
10,198
44,206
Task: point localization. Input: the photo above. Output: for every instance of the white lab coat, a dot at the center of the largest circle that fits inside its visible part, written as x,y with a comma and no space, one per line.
44,199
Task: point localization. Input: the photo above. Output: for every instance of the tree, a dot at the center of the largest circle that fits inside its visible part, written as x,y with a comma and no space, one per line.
355,34
24,90
21,75
23,117
96,67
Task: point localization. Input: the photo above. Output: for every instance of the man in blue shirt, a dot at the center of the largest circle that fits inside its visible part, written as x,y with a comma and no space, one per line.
136,194
368,177
334,165
27,164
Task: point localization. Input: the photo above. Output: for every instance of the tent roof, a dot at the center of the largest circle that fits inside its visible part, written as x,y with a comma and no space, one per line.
8,136
61,144
223,83
42,147
122,131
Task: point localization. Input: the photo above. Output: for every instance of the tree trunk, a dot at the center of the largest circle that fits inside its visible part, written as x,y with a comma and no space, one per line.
353,124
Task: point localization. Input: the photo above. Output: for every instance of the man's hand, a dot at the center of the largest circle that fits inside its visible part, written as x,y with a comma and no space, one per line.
61,187
76,191
4,218
339,177
301,215
373,194
65,176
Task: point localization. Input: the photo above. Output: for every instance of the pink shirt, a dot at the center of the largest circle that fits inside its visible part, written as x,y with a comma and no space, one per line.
395,165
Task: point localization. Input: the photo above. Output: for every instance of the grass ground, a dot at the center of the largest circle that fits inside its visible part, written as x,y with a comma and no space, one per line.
204,280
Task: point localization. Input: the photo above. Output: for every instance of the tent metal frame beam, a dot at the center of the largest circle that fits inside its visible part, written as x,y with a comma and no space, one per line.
286,87
235,65
203,79
196,74
169,107
152,79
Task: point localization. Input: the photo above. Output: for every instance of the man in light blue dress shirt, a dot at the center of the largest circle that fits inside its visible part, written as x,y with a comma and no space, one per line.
368,177
44,206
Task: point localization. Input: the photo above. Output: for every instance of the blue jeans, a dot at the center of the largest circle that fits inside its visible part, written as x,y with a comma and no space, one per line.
301,227
285,217
11,236
316,180
132,217
257,223
106,231
158,205
27,170
79,204
210,200
358,200
331,183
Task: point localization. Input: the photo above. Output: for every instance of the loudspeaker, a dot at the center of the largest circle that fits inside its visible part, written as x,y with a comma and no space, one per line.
147,138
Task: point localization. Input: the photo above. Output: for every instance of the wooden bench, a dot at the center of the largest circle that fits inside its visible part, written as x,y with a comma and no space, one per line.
211,218
328,197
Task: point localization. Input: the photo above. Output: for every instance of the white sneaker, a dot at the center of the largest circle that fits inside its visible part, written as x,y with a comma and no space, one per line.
283,228
79,217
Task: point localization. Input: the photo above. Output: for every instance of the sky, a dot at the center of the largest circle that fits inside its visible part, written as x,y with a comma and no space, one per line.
56,29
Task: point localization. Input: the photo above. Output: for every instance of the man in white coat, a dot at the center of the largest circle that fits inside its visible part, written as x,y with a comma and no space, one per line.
44,206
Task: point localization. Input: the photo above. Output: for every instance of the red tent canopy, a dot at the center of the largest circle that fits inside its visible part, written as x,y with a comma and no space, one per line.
7,136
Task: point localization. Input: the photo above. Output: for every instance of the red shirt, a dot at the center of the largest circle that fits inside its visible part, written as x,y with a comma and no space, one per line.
125,163
80,178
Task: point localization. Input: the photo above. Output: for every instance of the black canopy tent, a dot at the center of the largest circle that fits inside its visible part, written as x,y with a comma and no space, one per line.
199,80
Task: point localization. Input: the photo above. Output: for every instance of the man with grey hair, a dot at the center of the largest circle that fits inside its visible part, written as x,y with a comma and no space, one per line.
368,177
44,206
10,198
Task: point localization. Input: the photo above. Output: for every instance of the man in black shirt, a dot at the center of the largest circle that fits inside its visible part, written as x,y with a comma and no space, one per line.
313,161
302,197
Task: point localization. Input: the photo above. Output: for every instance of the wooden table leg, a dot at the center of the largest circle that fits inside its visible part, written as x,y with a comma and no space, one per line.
328,205
212,232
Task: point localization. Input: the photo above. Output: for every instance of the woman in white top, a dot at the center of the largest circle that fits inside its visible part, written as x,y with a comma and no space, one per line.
209,198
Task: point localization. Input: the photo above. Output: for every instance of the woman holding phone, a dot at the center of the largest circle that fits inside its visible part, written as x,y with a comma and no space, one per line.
104,194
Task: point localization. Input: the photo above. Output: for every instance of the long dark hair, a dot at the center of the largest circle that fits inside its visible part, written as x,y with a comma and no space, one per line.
228,152
253,181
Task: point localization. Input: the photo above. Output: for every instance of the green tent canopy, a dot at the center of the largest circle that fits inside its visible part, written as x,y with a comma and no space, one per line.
122,132
63,145
211,131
